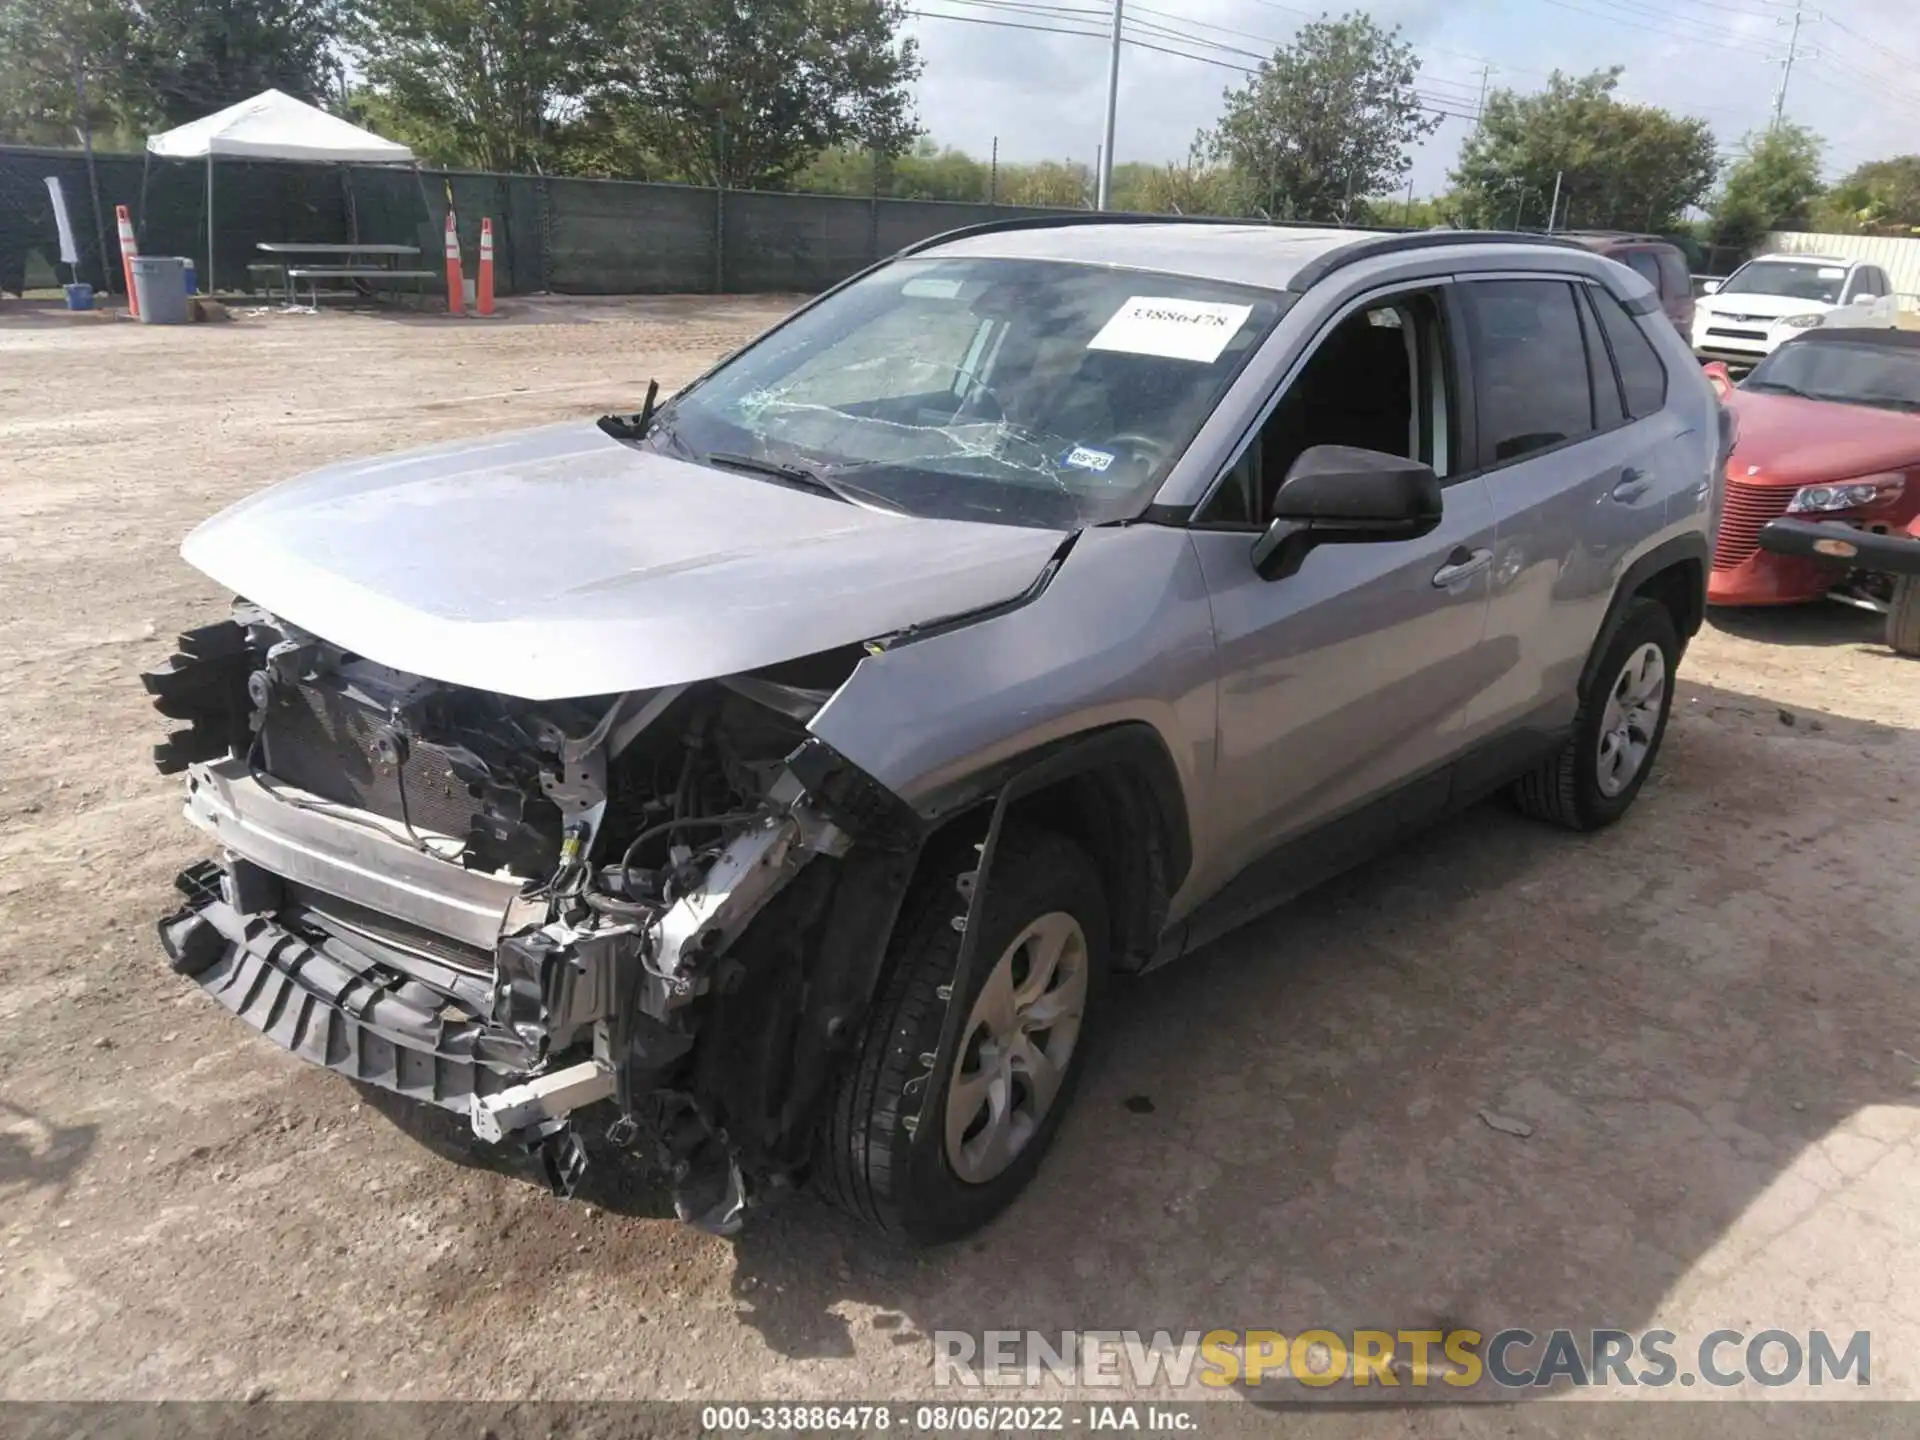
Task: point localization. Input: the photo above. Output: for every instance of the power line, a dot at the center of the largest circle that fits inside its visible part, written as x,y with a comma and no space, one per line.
1133,36
1632,22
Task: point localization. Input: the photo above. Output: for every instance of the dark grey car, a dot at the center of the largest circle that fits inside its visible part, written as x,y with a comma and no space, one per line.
777,778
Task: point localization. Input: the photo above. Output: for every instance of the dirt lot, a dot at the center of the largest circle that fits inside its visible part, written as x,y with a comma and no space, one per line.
1707,1015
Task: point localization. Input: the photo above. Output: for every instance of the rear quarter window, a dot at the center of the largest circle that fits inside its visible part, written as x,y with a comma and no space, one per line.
1643,379
1642,263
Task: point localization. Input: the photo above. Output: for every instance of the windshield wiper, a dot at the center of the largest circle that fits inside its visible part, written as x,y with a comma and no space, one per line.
632,427
1779,385
802,478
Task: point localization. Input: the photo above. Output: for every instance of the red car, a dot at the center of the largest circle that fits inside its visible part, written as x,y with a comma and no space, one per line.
1829,432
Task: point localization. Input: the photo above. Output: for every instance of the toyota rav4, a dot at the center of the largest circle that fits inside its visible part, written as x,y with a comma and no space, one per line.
777,778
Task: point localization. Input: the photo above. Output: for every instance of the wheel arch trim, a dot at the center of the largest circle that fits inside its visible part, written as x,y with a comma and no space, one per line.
1688,551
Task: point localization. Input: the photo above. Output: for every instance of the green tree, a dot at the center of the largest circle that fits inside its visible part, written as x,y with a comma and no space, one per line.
1064,185
747,93
1771,187
1619,166
1325,120
45,47
188,58
1881,196
926,172
1431,213
482,83
1187,187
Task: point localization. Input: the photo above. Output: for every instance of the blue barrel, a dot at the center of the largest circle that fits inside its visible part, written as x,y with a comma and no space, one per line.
79,296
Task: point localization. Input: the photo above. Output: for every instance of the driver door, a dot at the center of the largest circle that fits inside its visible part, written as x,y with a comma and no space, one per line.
1344,689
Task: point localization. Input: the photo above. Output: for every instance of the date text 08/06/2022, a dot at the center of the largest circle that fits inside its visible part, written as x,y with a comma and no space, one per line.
946,1419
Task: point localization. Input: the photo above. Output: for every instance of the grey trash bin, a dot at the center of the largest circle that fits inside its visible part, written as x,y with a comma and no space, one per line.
160,284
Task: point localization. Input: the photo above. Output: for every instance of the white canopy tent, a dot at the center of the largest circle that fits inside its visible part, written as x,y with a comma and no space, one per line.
273,126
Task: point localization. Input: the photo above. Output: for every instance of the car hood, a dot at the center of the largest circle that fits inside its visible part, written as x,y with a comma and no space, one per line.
1766,307
560,562
1785,440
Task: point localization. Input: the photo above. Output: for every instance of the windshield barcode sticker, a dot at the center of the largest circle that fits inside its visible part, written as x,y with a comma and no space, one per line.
1176,329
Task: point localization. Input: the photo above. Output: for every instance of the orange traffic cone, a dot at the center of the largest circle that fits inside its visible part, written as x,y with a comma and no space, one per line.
129,248
456,285
483,289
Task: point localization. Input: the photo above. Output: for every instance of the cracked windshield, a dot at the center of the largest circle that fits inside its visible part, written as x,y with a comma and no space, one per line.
1018,392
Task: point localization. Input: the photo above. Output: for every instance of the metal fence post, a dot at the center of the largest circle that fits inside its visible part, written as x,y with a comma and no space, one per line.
544,193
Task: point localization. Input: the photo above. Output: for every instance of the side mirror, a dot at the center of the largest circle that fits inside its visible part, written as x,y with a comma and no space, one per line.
1339,495
1709,287
1865,300
1719,377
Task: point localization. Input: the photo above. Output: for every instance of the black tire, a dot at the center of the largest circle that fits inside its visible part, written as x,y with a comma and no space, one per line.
1903,617
1566,789
872,1160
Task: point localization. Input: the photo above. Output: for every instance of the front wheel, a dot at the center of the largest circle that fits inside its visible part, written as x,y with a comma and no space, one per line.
934,1156
1617,733
1903,617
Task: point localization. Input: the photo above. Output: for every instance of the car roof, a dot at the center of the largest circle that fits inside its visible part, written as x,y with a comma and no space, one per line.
1272,257
1600,239
1859,335
1840,260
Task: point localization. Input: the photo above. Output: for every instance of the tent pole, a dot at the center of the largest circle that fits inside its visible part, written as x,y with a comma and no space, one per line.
208,290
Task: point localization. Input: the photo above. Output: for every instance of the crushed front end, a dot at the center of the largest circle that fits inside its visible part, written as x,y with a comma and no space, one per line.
669,901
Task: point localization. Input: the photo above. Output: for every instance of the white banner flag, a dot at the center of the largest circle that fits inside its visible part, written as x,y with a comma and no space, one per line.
60,218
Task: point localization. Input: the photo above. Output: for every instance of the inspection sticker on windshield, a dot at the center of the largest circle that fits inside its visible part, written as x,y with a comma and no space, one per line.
1177,329
930,287
1083,457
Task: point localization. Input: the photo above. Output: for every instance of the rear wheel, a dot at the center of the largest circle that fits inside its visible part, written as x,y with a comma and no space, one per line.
1617,733
935,1156
1903,617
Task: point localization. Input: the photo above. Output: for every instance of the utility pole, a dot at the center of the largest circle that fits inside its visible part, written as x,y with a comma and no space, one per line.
1486,74
1104,194
1554,209
83,122
1786,65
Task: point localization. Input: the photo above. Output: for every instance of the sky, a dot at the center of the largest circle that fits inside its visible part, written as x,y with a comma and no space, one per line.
1855,78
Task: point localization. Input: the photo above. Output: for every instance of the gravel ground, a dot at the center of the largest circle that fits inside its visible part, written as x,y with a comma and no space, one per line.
1706,1016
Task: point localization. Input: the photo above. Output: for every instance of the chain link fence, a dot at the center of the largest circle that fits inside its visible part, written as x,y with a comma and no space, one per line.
565,235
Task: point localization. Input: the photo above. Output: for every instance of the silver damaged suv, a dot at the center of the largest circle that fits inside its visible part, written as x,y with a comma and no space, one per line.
773,782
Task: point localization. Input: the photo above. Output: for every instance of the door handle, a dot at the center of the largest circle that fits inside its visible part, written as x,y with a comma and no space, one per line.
1462,564
1633,484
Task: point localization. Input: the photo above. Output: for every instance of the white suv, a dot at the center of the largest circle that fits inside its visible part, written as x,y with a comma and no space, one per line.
1775,297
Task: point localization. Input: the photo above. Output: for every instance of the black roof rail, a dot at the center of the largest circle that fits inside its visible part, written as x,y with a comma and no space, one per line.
1119,217
1317,269
1368,241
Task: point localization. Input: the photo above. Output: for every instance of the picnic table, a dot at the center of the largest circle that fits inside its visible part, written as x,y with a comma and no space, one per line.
311,261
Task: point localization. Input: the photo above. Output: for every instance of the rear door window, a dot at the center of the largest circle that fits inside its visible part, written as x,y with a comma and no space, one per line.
1676,281
1643,379
1531,386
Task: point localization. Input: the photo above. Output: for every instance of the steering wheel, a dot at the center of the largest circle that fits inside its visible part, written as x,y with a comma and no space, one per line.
1148,450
